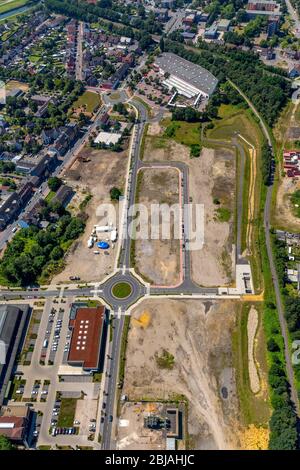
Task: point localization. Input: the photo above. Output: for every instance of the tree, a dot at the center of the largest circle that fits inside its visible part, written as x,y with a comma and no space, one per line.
283,429
272,345
56,253
54,183
162,44
115,194
5,443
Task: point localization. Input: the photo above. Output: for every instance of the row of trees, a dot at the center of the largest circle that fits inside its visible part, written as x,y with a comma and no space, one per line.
266,164
283,423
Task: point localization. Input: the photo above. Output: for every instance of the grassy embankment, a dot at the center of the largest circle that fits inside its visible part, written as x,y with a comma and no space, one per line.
8,5
232,120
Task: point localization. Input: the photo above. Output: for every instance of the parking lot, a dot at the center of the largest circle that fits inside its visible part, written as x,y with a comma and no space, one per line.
40,385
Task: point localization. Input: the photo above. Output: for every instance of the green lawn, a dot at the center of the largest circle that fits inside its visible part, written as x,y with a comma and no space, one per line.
7,5
67,412
186,133
50,196
232,120
223,214
88,99
121,290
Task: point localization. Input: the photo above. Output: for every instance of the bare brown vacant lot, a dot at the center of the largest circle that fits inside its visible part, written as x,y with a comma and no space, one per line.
158,260
198,336
283,214
96,177
211,179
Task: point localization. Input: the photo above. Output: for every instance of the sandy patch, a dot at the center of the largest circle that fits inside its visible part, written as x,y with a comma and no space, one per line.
284,216
158,261
252,325
96,177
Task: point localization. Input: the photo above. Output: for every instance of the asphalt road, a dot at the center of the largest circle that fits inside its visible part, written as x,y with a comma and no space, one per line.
295,17
79,53
106,428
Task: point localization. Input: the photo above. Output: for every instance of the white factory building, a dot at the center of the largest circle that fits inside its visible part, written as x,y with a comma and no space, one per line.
190,80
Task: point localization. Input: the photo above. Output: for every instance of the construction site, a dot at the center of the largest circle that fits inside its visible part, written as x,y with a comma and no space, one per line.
92,176
151,426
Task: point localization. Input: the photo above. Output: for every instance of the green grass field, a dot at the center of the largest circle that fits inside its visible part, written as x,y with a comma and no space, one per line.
186,133
67,412
7,5
232,120
89,100
121,290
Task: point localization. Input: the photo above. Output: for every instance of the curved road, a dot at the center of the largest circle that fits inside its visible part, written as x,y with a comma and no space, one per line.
280,309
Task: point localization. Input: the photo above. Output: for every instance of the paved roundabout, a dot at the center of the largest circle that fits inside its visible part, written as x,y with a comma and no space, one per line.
122,290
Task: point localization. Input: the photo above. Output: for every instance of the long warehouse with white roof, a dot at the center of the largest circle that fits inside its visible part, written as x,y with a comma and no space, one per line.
189,79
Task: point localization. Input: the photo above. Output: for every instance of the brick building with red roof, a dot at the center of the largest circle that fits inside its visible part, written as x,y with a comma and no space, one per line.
87,338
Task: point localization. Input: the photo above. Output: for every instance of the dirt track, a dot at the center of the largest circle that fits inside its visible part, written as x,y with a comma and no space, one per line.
211,176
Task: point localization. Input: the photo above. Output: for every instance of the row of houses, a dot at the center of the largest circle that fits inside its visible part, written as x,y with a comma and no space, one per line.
13,205
291,163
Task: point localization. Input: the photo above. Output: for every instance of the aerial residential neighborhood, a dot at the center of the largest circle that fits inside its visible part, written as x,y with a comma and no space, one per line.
149,226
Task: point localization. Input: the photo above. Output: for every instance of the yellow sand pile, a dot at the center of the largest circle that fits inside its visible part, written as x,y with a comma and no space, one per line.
143,321
151,408
255,438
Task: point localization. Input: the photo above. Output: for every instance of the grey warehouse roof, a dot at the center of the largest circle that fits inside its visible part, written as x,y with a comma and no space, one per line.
191,73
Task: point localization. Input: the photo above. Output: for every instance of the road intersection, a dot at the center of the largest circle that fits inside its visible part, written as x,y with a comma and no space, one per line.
125,273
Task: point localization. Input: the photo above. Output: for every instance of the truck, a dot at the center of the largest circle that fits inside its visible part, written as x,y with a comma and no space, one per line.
113,235
103,228
90,242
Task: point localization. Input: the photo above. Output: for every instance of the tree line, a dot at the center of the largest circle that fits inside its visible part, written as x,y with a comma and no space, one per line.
35,252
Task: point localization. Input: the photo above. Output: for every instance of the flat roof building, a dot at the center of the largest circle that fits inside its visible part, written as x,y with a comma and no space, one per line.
189,79
15,423
12,326
223,24
107,138
263,7
87,337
